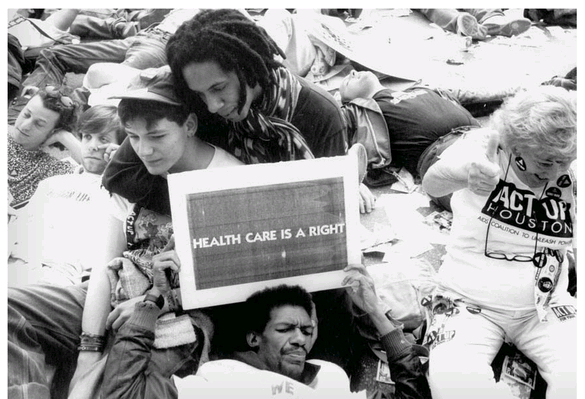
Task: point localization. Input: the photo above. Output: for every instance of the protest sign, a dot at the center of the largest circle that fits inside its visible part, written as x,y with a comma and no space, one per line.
240,229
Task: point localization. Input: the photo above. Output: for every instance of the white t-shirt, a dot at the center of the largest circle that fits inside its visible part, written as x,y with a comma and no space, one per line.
63,223
232,378
516,214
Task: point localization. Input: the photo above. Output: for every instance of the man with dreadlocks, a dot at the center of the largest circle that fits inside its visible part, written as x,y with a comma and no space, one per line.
225,67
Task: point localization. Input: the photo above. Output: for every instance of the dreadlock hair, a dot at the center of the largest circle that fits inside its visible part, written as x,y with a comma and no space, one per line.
230,39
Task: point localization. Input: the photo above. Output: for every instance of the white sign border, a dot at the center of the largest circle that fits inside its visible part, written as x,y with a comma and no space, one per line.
207,180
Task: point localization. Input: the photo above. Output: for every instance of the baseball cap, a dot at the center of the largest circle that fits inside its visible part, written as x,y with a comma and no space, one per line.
153,84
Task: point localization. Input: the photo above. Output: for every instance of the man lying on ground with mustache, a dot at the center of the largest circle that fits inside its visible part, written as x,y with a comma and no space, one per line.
277,328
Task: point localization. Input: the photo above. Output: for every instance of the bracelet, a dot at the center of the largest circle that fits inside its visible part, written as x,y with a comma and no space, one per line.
89,348
91,342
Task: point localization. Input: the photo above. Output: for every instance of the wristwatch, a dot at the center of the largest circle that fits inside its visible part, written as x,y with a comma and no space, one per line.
159,301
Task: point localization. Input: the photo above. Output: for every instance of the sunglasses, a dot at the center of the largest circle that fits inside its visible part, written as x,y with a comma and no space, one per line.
54,92
538,259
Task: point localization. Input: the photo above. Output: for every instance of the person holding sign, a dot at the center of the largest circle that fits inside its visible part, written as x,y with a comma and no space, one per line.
161,130
278,333
505,273
224,67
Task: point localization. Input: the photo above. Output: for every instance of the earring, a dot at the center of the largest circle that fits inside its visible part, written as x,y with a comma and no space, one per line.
520,163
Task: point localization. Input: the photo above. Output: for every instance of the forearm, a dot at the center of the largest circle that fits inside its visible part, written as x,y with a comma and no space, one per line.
381,322
441,180
128,371
405,367
93,322
72,144
97,303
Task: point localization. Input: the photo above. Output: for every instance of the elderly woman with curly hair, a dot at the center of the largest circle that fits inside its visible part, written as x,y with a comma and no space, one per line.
504,277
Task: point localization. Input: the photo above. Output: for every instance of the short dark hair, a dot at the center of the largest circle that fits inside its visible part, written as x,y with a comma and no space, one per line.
259,305
151,111
233,41
99,119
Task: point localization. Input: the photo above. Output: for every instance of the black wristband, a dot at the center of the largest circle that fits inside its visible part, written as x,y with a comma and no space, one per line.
159,301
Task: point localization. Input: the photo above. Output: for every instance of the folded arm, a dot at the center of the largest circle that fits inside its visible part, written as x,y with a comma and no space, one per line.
473,166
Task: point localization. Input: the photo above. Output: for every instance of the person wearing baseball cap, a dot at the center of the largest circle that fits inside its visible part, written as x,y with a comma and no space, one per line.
161,139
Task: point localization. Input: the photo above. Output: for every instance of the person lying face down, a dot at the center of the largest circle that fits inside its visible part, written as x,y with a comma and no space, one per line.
406,122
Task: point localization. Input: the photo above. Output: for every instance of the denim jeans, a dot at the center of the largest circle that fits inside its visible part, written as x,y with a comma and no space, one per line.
44,324
86,26
145,50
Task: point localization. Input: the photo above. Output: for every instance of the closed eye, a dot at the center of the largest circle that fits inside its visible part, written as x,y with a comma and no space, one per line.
218,88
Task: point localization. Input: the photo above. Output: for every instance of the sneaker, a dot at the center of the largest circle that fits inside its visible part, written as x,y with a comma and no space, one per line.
467,25
503,25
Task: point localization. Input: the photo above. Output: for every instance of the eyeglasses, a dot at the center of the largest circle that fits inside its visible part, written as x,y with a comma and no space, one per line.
537,258
54,92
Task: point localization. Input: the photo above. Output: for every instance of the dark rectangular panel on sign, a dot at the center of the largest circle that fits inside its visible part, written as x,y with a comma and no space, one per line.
253,234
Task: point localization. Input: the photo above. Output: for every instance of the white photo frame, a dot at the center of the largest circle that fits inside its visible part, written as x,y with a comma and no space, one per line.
241,229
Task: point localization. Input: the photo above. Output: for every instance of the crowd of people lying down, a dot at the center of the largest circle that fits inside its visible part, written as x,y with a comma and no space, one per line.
94,299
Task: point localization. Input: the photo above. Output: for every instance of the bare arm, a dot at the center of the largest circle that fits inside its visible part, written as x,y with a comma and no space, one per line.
70,142
97,303
362,291
405,366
